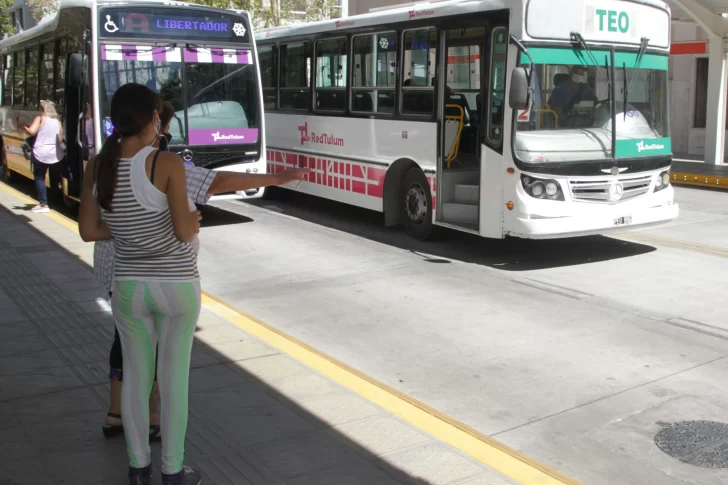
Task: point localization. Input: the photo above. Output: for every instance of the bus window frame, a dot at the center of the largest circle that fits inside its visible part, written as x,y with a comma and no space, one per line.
275,50
281,88
401,88
495,145
16,56
347,74
352,89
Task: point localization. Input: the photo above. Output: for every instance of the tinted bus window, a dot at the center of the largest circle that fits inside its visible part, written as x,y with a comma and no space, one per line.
374,67
418,71
19,79
31,79
46,71
331,74
295,75
267,56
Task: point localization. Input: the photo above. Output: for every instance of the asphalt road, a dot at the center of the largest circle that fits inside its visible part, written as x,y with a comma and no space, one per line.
575,352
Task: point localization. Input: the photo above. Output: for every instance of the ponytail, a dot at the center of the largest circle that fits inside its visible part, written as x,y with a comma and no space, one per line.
107,168
132,109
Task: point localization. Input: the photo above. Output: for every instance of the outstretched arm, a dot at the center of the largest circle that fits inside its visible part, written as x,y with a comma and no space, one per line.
236,181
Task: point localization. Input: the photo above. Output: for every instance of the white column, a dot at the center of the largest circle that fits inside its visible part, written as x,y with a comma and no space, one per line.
716,112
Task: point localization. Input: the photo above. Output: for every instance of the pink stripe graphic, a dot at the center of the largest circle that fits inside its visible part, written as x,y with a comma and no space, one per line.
218,57
190,55
129,52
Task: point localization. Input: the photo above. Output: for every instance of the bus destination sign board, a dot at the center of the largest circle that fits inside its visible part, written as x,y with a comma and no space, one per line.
173,24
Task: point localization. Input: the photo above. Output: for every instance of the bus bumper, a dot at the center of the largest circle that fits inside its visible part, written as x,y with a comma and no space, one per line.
615,219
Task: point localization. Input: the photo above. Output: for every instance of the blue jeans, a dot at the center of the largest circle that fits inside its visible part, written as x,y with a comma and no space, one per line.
39,174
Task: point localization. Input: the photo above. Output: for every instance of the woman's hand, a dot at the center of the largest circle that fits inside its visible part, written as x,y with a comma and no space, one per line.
196,218
293,174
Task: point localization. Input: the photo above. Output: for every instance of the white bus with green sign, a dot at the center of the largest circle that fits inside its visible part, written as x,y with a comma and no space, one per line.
528,118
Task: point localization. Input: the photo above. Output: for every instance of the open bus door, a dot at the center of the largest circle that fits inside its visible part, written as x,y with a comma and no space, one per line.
76,92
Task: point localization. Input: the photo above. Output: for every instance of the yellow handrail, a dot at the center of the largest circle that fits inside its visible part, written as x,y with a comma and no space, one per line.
461,121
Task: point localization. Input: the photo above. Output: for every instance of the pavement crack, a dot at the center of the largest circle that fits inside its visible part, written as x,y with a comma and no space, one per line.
603,398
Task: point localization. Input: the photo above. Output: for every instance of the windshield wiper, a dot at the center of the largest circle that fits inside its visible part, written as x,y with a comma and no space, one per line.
577,38
637,63
625,89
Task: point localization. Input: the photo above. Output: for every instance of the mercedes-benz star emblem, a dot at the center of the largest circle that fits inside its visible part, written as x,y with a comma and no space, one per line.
186,155
615,192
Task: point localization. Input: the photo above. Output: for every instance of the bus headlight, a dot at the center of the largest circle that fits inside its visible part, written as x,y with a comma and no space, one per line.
542,188
663,181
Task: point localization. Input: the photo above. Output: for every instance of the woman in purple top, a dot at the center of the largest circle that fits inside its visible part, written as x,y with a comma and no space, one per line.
47,151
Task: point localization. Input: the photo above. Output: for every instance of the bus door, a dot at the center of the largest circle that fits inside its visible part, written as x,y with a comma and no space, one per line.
461,96
77,109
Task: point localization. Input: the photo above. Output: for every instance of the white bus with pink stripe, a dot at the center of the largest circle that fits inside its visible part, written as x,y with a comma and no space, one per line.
527,118
201,60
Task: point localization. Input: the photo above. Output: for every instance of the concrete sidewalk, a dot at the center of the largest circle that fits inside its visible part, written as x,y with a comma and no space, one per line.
257,416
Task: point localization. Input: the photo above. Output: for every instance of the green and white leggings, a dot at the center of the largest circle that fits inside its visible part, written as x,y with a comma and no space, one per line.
148,313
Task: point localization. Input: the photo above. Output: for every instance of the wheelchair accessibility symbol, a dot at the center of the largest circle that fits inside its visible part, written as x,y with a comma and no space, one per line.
110,26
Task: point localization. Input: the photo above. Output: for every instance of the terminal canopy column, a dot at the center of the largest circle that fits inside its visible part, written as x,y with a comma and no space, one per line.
716,111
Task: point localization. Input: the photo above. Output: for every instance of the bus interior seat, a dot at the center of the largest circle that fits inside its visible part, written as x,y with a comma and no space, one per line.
385,102
362,102
330,100
561,79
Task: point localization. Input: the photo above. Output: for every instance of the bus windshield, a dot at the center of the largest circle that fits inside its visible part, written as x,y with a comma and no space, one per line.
219,104
571,115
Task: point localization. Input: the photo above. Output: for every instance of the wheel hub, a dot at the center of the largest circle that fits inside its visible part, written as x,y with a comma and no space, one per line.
416,204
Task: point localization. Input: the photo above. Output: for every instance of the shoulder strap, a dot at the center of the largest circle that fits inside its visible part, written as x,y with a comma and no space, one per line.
154,164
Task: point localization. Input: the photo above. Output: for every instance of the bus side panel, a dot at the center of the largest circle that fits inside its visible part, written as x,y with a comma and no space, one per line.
349,156
14,137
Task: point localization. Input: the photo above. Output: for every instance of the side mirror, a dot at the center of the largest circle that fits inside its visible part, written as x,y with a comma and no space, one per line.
76,70
519,98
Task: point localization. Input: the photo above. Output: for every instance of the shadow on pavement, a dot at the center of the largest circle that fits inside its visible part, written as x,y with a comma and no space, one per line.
246,424
510,254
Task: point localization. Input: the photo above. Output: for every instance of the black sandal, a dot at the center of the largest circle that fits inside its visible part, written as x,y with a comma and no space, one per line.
111,430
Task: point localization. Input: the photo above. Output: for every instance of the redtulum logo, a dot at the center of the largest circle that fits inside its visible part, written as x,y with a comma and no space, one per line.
320,139
413,14
344,23
217,137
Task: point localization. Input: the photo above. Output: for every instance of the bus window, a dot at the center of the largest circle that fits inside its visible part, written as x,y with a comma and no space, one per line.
31,79
47,53
331,77
374,67
295,76
61,53
268,57
497,88
19,79
418,71
7,81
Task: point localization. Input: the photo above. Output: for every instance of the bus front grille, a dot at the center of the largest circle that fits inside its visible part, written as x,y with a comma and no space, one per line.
598,190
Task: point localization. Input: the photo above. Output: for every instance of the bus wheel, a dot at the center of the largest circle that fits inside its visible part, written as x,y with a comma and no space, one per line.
417,204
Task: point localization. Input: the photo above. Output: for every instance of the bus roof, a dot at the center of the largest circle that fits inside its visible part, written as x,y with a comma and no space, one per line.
406,12
50,23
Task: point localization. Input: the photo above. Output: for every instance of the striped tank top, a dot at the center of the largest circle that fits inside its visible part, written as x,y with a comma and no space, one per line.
147,248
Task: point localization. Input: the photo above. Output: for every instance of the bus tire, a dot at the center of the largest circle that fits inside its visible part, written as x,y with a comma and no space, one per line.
417,206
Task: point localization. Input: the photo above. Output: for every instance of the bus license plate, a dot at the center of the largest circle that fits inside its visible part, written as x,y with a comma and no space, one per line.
623,221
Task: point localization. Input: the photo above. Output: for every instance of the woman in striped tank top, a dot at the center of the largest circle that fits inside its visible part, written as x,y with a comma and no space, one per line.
138,196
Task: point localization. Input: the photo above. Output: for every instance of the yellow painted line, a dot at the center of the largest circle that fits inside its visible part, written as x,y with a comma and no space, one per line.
60,218
483,448
496,455
684,178
676,243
